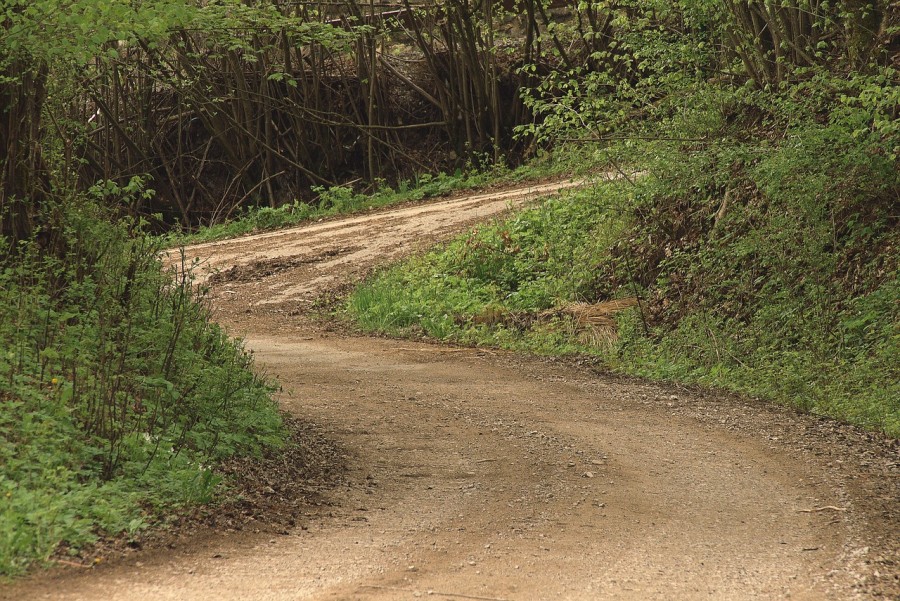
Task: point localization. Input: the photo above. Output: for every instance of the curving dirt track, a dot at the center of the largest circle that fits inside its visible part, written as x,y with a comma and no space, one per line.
476,474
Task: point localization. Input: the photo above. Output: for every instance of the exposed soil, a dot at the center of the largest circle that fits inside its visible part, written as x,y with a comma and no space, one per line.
456,473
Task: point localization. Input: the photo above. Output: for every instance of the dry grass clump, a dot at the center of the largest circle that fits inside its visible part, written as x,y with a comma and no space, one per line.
593,324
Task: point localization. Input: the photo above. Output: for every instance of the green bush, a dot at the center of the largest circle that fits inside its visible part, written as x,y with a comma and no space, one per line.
118,394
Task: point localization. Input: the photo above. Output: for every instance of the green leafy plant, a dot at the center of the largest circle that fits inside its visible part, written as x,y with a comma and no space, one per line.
118,394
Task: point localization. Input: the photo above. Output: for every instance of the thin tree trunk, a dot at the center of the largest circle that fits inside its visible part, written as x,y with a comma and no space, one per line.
24,179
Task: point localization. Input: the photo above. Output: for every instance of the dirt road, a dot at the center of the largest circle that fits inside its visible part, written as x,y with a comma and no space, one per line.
483,475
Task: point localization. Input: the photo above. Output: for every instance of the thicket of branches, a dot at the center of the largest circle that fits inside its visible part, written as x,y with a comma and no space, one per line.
224,103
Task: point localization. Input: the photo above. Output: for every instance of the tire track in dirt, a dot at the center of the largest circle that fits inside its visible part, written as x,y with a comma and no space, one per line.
484,475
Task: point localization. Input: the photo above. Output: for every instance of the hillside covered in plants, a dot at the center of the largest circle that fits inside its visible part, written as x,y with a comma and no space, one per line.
750,241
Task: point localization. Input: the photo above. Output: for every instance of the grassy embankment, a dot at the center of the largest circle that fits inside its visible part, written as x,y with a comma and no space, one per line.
765,266
118,394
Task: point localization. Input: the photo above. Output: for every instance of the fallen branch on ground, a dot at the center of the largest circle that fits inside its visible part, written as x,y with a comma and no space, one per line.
825,508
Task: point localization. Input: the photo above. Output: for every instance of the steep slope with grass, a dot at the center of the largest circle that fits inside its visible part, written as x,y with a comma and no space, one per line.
774,271
768,267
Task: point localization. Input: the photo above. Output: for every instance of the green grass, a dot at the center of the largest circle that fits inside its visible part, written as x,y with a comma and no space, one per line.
790,293
481,287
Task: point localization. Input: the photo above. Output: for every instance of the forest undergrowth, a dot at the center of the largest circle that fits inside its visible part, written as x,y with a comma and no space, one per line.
119,395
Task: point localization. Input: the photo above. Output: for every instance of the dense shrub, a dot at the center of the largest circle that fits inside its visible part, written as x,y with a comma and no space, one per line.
118,394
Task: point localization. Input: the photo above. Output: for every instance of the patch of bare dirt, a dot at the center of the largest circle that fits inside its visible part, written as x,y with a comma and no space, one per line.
480,474
263,268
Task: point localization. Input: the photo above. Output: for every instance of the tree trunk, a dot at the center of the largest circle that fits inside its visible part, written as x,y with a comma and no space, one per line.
24,180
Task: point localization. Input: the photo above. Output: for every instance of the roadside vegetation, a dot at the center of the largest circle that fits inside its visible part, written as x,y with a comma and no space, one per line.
118,394
758,249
